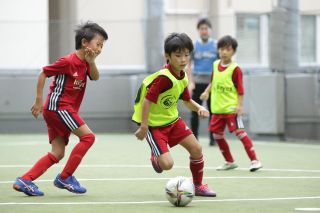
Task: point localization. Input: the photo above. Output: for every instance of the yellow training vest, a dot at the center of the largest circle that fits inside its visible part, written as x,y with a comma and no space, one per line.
165,111
224,96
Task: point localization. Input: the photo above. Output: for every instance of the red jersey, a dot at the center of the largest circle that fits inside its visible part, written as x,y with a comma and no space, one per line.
236,78
69,84
162,83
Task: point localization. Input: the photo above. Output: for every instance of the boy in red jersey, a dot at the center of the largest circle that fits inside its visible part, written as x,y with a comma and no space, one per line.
226,90
157,114
61,107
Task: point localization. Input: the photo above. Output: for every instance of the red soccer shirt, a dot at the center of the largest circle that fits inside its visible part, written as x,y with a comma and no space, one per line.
69,84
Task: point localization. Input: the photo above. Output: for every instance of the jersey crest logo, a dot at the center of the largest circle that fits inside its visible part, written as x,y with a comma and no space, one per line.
167,101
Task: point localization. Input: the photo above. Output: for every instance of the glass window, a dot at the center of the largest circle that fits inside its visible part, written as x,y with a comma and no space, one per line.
308,39
248,36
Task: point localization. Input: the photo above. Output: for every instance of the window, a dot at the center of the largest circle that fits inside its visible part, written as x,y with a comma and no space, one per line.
252,36
308,39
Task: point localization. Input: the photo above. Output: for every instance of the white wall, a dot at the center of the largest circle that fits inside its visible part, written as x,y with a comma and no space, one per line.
24,33
124,21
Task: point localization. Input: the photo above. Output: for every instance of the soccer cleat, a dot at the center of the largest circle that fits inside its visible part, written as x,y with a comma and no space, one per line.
71,184
255,165
27,187
204,191
227,166
155,164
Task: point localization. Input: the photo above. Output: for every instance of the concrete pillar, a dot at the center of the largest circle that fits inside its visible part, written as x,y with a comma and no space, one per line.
154,35
62,21
284,36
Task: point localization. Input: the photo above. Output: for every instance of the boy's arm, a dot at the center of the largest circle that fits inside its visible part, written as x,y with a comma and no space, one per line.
90,57
37,106
142,131
194,106
205,95
239,109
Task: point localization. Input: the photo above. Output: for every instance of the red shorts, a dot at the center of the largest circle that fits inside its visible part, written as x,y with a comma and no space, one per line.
160,137
219,122
62,123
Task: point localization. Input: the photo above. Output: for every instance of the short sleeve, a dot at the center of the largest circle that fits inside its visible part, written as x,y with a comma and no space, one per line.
185,96
61,66
158,86
237,80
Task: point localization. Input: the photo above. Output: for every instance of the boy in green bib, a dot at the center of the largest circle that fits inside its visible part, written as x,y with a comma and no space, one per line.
156,112
226,93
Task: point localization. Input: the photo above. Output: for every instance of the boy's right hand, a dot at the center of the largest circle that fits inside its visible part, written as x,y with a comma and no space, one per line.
204,96
141,133
36,108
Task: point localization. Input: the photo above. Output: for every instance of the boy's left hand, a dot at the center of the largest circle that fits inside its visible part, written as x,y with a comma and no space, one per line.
89,55
203,112
239,110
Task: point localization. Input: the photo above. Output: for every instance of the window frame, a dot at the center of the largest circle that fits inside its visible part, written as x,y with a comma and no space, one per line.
263,40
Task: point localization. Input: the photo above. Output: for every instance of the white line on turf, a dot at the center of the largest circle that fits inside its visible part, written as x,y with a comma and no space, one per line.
308,209
167,178
155,202
149,166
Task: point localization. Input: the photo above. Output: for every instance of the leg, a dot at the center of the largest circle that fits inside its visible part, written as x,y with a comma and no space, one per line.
191,144
25,184
160,156
165,161
87,138
194,115
48,160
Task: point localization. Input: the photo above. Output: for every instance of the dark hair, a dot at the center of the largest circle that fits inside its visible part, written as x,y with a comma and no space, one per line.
203,21
88,31
226,41
177,41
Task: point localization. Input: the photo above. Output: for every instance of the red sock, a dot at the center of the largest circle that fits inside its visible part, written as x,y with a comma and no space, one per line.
224,147
77,154
247,143
40,167
196,167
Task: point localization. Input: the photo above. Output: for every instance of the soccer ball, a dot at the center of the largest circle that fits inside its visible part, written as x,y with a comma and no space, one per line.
180,191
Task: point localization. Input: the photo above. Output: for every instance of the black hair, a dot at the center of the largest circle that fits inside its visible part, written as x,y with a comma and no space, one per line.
226,41
88,31
177,41
203,21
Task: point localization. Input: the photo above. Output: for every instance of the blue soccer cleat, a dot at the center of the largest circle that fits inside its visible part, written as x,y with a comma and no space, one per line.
27,187
71,184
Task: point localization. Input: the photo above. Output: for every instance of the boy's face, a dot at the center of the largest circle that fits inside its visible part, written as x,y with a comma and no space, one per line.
204,32
179,59
226,53
96,44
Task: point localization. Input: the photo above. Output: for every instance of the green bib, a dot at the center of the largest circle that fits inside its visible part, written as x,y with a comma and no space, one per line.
165,111
224,96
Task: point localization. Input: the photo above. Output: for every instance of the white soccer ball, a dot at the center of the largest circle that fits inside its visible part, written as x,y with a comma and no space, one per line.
180,191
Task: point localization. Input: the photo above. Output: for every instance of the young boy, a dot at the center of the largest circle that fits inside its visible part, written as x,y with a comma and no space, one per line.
60,110
226,90
157,114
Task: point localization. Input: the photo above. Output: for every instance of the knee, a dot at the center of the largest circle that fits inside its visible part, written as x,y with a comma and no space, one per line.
241,133
166,164
89,138
217,135
196,151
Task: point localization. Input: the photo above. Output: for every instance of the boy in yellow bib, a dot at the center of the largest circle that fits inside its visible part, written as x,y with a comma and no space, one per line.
226,90
156,112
